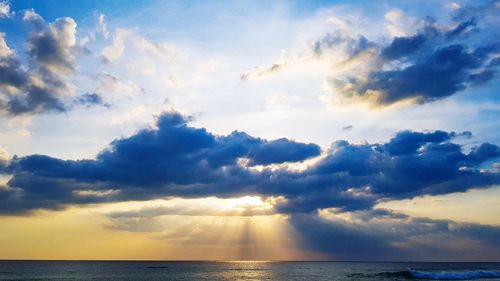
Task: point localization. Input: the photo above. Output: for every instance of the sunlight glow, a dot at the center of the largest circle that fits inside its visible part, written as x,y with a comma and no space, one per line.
244,228
252,204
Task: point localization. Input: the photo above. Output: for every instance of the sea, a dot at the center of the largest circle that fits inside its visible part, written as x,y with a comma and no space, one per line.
244,270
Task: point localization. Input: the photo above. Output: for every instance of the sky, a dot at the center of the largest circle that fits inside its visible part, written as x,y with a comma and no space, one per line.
250,130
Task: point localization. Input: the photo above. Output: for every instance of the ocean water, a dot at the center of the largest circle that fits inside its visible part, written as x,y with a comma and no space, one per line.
290,271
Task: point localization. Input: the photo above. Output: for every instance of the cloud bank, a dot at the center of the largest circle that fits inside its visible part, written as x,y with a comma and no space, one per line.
174,159
330,202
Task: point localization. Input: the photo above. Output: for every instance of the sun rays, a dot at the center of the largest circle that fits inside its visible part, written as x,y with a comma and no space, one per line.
244,228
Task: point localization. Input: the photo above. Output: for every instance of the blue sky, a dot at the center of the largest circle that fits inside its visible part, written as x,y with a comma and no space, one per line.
322,117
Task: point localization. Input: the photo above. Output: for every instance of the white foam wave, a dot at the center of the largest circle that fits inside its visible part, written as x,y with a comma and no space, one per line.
455,275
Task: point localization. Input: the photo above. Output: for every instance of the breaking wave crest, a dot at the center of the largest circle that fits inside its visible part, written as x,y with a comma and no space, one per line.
433,275
454,275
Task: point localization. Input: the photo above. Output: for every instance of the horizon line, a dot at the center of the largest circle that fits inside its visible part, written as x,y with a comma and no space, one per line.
249,261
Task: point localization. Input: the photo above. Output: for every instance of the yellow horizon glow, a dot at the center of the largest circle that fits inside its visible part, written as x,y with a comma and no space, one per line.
474,206
228,232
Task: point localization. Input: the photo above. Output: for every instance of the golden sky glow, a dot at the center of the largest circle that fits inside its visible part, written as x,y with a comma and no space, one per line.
228,231
210,228
476,206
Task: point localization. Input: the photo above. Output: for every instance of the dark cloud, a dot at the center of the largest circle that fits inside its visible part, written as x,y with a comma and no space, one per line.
54,47
35,100
433,64
487,12
174,159
282,150
384,235
411,164
445,71
483,153
347,128
18,91
407,142
91,99
461,28
40,85
341,240
403,46
353,45
11,73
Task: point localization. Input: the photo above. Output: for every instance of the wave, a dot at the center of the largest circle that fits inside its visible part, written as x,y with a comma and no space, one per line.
434,275
454,275
385,274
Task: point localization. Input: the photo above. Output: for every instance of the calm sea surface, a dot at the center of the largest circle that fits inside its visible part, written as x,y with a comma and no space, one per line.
159,270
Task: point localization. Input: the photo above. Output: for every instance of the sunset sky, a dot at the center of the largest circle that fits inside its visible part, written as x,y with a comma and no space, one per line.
250,130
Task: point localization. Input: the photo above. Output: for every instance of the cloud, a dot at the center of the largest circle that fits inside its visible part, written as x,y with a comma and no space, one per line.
115,50
382,235
4,159
280,151
174,159
483,153
352,46
446,71
34,18
338,47
22,91
127,39
111,84
487,12
448,59
41,85
91,99
53,49
347,128
400,24
367,235
403,46
202,207
5,9
12,75
102,27
419,61
408,142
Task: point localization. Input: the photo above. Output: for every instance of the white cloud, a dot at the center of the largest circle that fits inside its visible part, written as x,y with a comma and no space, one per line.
5,9
127,38
453,6
399,24
115,50
110,84
32,16
4,155
102,26
5,51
